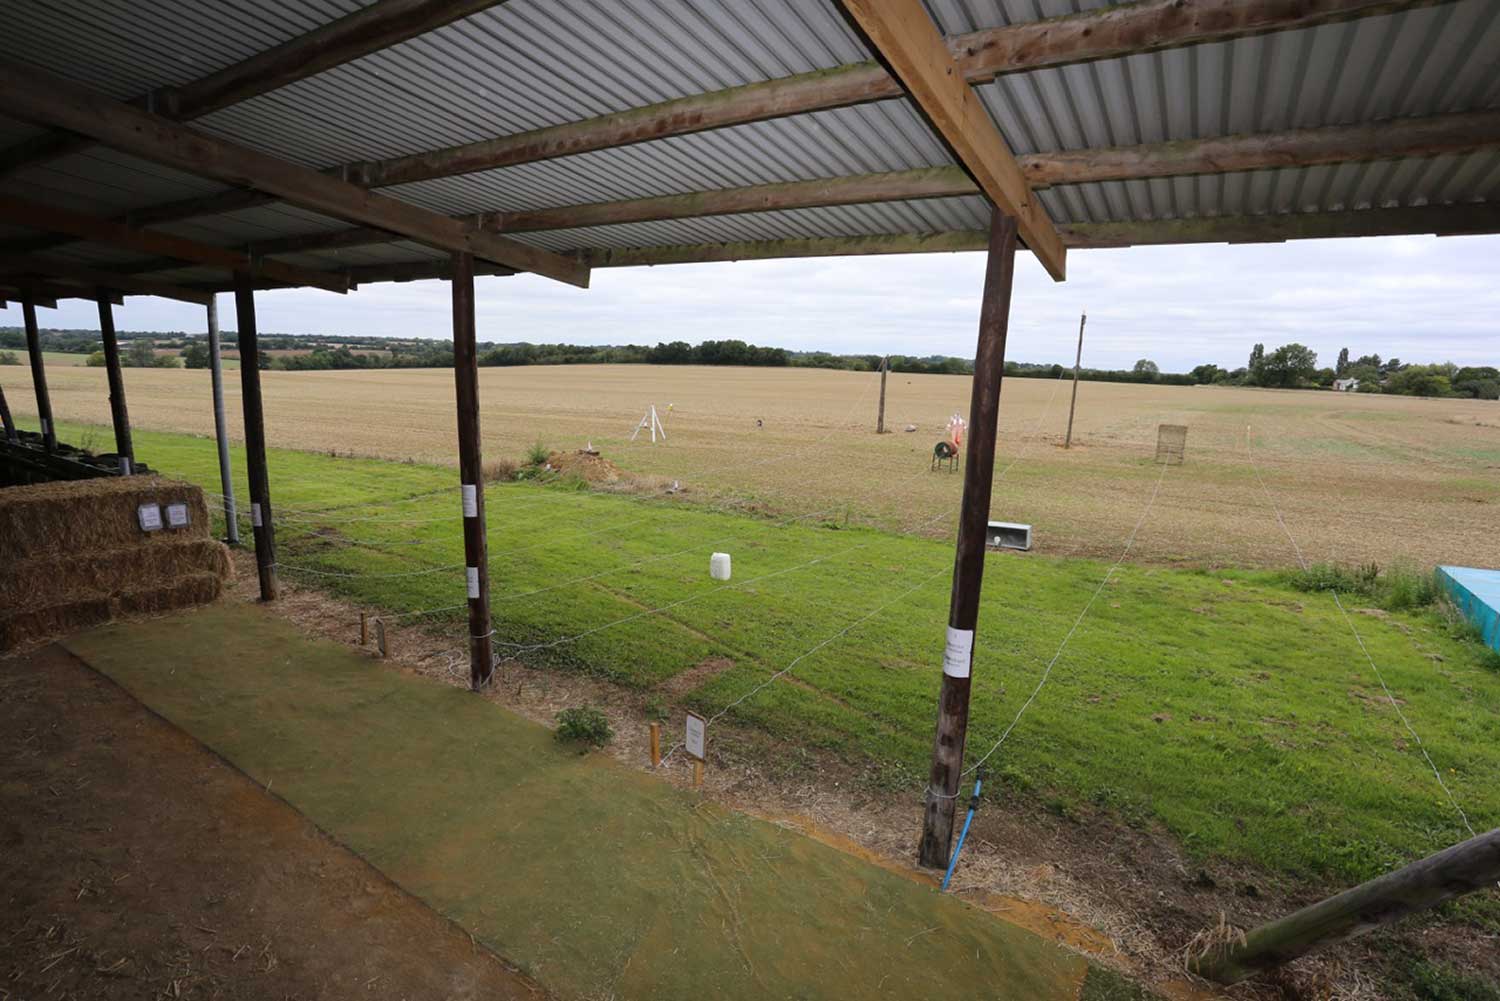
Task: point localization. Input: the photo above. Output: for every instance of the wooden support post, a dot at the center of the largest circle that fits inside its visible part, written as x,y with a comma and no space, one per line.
1077,361
655,745
380,638
885,367
968,565
119,416
364,629
221,426
697,773
1465,867
38,374
6,419
255,436
471,473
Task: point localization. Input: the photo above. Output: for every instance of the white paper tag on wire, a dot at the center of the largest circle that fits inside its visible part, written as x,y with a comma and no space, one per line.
959,652
255,515
471,501
473,582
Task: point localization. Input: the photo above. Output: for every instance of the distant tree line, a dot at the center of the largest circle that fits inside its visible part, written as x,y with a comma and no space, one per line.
1295,366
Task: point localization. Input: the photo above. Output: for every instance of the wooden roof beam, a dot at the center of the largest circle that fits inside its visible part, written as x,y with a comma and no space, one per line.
16,268
907,40
34,96
1147,25
97,229
382,24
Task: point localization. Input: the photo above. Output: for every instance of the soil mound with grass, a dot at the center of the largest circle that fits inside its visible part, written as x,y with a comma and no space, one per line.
75,554
590,466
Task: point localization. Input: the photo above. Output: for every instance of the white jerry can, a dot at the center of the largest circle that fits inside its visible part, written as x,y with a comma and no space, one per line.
718,566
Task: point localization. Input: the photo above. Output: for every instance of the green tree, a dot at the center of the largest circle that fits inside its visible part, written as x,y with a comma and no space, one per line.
95,360
1420,380
9,358
1146,370
1343,365
140,354
195,355
1206,374
1254,376
1289,366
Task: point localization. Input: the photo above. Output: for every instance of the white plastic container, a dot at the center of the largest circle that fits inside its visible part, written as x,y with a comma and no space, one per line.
718,566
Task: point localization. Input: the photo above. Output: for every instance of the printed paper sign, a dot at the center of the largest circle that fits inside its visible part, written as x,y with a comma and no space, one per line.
473,582
692,741
150,515
255,515
471,501
177,516
959,652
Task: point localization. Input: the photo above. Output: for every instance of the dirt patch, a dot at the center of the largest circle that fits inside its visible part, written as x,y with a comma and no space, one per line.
590,466
137,864
686,681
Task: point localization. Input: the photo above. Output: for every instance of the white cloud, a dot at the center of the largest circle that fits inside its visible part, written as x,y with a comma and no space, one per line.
1419,298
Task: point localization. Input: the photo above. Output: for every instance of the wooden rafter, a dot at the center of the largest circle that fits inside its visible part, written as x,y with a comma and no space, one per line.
1410,137
16,267
38,97
383,23
97,229
907,40
1121,30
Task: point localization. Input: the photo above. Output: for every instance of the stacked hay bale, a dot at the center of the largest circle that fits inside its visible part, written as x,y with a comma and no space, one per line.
78,553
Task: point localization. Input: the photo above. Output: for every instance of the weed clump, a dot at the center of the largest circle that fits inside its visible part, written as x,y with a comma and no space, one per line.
500,470
1396,588
537,454
584,726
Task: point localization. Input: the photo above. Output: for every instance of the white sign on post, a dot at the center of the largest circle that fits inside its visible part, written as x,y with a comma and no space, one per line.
471,501
473,575
959,652
692,741
177,515
255,515
150,515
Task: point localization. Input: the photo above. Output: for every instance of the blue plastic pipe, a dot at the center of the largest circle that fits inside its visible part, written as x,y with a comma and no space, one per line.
973,805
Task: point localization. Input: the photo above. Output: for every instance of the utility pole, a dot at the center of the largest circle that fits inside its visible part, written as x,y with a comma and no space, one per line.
885,366
1077,360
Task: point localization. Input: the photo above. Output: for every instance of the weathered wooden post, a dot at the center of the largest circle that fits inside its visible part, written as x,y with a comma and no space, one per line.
7,420
655,745
1465,867
38,372
221,426
968,564
885,366
255,437
119,416
471,472
1077,361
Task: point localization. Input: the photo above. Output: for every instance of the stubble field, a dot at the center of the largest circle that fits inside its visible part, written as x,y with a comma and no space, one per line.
1358,478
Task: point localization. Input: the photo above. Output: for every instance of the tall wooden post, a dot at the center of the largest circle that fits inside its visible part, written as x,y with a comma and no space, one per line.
119,416
471,472
38,373
968,564
6,419
1077,361
255,437
221,426
885,366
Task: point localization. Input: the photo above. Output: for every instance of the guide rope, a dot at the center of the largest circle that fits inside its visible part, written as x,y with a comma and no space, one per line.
1360,640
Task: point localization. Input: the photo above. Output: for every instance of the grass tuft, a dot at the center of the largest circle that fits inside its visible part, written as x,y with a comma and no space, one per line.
1398,588
584,726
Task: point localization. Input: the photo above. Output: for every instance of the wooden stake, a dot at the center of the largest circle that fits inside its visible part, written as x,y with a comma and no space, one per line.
655,745
119,416
380,641
364,629
1077,360
38,374
1465,867
471,473
697,774
255,437
968,565
885,367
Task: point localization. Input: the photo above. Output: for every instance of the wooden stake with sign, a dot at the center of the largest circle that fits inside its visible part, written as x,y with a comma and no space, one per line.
695,733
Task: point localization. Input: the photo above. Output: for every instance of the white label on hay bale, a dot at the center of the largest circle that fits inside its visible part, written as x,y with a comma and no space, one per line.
177,515
473,582
471,501
958,653
692,740
255,514
150,515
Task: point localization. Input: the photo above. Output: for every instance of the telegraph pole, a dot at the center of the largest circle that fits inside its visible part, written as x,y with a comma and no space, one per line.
1077,360
885,366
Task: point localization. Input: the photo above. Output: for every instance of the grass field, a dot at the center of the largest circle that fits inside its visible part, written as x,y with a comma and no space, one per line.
1359,478
1230,708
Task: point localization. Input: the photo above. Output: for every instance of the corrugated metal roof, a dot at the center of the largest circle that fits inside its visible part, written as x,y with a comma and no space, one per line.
533,63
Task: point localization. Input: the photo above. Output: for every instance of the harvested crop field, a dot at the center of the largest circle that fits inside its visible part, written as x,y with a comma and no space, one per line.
1358,478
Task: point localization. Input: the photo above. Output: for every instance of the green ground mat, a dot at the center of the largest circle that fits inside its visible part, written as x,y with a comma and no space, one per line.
598,880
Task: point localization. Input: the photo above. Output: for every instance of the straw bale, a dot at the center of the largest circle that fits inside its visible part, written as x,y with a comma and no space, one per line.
68,517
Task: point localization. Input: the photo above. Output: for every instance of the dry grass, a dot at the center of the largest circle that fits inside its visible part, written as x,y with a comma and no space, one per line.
1359,478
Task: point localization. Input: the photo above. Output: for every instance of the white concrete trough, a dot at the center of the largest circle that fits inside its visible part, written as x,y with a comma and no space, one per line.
1008,535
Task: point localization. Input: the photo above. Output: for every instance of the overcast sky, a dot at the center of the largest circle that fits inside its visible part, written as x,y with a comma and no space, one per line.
1416,298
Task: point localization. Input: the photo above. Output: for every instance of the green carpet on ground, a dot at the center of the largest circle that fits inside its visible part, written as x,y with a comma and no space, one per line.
598,880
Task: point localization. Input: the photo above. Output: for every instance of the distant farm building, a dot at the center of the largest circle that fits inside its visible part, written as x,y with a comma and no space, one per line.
1345,385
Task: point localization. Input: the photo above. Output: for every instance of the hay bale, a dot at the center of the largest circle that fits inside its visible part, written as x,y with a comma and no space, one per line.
43,580
24,627
194,589
68,517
